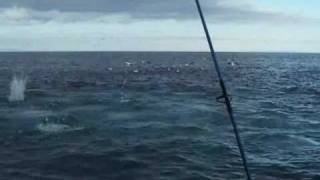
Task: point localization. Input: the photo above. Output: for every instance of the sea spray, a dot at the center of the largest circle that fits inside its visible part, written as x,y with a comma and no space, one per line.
54,126
17,89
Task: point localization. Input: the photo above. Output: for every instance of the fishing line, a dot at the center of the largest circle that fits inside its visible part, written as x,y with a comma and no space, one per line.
224,97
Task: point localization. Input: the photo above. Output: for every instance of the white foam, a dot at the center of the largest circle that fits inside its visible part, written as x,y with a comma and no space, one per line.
53,128
124,100
49,127
128,64
57,128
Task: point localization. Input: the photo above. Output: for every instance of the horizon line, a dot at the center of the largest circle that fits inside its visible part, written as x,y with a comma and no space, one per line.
153,51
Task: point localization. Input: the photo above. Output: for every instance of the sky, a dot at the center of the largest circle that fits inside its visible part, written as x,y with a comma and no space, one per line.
159,25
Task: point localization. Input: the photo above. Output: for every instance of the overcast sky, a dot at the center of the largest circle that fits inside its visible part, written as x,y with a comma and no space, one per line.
159,25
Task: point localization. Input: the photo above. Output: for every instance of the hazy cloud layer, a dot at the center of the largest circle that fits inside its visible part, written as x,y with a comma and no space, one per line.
35,11
238,25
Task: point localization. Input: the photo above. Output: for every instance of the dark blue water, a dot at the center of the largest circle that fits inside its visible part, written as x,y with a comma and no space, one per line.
152,116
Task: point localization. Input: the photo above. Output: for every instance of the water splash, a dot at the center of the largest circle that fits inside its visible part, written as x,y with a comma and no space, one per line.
48,126
17,89
124,98
57,128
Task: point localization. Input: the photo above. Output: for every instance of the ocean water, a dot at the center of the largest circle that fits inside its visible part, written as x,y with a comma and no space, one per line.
147,115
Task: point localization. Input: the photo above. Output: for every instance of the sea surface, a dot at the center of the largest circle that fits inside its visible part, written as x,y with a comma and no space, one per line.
154,116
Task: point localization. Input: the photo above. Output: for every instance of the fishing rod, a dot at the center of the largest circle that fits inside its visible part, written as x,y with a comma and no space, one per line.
225,95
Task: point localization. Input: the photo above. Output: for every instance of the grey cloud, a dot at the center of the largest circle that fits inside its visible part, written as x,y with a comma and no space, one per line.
218,10
106,6
147,9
